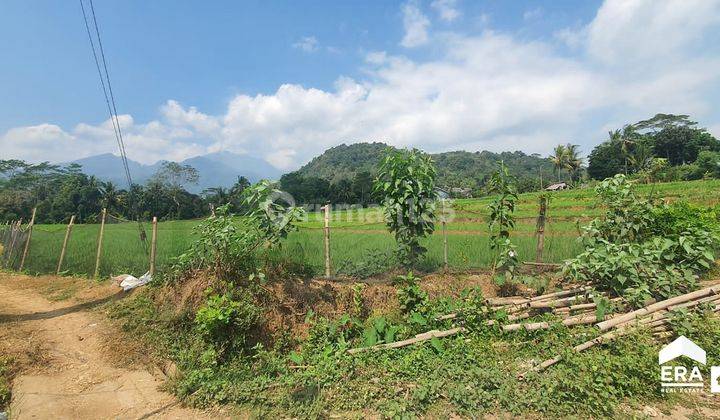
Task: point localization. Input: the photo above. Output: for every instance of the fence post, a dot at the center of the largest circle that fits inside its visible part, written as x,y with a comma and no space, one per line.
27,241
327,240
444,233
153,246
541,229
14,233
65,242
99,245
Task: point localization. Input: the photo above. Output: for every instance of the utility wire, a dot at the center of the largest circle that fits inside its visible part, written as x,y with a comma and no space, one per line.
112,108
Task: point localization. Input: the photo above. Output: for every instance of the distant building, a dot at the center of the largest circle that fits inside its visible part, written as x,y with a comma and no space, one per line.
557,187
461,192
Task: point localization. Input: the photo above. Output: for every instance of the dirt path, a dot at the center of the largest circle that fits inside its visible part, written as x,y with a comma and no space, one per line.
75,379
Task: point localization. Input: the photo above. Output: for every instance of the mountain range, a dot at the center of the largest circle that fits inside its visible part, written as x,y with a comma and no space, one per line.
220,169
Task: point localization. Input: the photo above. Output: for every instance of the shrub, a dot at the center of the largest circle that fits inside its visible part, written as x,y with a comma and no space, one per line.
225,321
406,185
642,249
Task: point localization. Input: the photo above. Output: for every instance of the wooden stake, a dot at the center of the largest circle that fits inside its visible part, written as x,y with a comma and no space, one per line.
327,240
153,246
65,242
99,244
444,233
27,241
541,229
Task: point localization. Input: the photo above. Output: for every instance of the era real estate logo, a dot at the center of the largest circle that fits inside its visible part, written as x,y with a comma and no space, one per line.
680,378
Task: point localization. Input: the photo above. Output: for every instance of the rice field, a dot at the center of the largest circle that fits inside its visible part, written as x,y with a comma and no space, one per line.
354,234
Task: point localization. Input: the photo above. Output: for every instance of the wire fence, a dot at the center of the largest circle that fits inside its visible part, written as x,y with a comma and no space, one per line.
342,247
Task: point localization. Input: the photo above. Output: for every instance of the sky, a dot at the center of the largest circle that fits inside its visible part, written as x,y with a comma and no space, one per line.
285,80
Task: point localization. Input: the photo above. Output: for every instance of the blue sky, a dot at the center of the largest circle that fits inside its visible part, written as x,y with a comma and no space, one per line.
285,80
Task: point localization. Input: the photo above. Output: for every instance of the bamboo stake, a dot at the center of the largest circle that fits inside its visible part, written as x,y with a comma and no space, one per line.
327,241
65,242
15,232
99,244
444,233
712,290
417,339
153,245
27,241
541,230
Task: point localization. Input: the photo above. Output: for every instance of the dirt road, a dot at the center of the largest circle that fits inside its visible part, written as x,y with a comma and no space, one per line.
73,378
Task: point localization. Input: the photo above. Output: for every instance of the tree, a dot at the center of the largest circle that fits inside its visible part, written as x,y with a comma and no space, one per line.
605,160
362,187
559,159
573,161
112,199
175,176
406,186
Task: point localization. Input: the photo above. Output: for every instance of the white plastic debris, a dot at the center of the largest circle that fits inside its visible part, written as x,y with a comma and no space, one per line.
128,281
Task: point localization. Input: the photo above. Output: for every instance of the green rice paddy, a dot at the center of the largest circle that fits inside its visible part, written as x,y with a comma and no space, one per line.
354,234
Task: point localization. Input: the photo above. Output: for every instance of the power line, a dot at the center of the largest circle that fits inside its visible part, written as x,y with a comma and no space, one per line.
112,108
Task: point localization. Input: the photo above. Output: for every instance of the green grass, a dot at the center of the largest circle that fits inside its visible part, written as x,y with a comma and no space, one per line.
354,234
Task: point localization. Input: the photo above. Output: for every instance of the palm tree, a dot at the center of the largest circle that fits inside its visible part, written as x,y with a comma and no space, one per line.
559,159
573,161
626,139
111,197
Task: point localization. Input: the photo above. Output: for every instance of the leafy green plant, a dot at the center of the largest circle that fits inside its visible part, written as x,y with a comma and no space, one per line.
379,331
273,218
406,186
223,247
641,249
226,322
501,222
411,297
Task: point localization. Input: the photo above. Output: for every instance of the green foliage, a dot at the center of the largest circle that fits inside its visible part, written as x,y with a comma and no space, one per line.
411,297
406,185
273,218
226,320
4,382
222,247
502,222
644,250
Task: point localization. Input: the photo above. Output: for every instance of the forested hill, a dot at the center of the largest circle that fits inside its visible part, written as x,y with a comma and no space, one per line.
455,169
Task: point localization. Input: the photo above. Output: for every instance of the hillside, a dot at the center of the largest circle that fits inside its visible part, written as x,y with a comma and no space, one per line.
455,169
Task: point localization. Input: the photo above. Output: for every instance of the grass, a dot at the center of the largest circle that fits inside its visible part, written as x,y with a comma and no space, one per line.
355,233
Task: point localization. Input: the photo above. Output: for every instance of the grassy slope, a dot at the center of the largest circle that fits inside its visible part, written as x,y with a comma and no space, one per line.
355,233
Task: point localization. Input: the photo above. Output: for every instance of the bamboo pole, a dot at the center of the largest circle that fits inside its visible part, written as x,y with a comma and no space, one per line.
99,244
15,231
712,290
327,240
68,230
417,339
541,230
153,246
444,233
27,241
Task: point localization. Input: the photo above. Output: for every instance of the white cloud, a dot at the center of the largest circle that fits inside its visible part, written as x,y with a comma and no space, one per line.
489,91
532,14
447,9
416,25
307,44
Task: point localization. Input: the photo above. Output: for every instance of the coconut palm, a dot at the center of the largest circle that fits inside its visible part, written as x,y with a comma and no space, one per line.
559,159
573,161
112,199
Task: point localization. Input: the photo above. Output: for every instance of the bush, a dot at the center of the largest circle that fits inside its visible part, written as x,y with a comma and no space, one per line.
642,249
226,322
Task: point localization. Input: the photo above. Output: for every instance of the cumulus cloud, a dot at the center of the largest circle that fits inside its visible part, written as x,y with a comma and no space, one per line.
447,9
491,91
307,44
416,25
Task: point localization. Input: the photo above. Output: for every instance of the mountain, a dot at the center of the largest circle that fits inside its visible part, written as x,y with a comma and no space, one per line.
455,169
219,169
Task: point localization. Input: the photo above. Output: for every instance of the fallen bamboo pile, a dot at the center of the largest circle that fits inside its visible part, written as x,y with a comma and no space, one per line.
655,316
